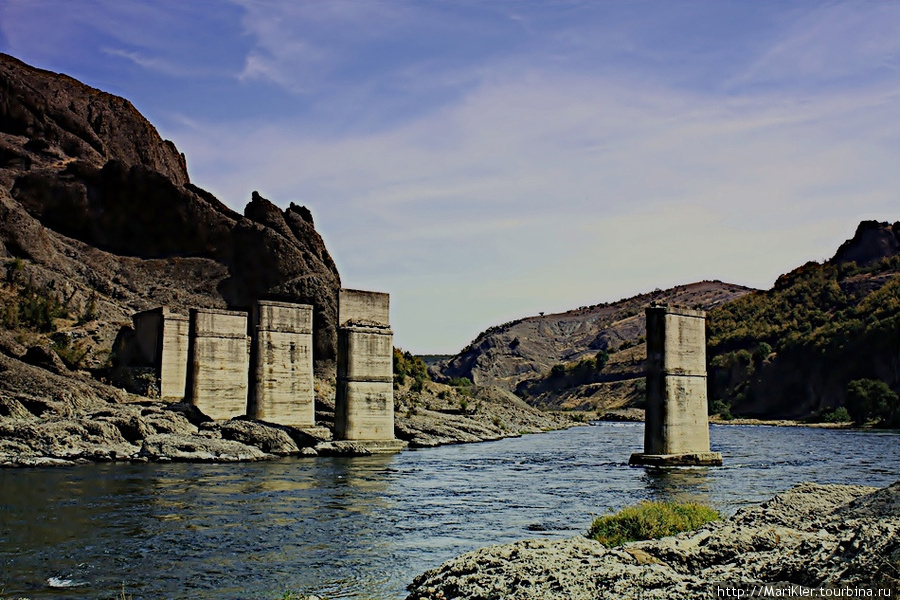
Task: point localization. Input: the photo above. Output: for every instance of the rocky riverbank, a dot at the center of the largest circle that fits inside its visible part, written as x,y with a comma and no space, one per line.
52,416
810,536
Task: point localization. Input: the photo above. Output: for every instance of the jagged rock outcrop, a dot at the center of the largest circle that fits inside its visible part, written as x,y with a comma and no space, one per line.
437,416
51,419
97,203
62,119
872,242
808,537
98,220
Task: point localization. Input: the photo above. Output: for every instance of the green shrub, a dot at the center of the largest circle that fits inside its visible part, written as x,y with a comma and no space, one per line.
90,310
838,415
871,399
72,355
601,359
648,521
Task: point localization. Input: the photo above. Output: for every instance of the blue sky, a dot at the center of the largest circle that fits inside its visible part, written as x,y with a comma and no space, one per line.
488,160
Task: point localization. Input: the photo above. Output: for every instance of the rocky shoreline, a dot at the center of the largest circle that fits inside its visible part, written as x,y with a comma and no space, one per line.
52,418
809,537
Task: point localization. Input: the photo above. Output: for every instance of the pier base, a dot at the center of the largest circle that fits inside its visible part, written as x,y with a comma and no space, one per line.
360,447
696,459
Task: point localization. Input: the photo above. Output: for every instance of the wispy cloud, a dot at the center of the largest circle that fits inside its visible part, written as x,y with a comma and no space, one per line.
828,43
556,187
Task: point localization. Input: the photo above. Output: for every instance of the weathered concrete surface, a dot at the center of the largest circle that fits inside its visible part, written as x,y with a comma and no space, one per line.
356,307
364,406
162,339
676,421
810,536
219,362
364,402
281,383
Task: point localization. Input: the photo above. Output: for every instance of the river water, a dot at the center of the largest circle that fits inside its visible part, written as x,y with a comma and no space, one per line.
364,527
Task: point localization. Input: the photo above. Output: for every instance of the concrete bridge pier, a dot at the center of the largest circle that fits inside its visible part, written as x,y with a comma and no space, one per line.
676,424
281,382
162,340
364,402
218,362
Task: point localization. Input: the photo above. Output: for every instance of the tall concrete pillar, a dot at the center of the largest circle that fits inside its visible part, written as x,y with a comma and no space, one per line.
676,425
364,403
162,339
281,357
218,362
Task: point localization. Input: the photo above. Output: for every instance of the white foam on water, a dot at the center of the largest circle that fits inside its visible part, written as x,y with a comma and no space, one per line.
60,582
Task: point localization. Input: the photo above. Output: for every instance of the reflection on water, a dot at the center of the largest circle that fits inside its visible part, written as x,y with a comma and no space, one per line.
680,485
363,527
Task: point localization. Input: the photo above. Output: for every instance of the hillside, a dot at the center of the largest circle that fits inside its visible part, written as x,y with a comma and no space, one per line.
826,336
519,355
97,209
793,351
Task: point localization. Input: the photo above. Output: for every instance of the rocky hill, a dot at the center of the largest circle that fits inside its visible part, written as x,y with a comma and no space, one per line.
795,350
98,220
94,204
520,355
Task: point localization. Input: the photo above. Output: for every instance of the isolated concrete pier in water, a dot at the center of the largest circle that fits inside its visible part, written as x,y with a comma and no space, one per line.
676,428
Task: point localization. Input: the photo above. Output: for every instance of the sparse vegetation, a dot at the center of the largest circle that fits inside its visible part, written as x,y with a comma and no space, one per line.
650,520
72,354
407,365
462,385
28,305
601,358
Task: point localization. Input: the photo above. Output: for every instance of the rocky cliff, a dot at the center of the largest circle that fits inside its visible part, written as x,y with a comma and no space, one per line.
97,207
98,220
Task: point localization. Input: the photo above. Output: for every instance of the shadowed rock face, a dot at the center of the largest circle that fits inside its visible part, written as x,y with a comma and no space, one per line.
94,197
58,113
871,242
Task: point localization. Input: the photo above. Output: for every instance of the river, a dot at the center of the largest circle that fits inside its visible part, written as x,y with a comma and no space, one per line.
364,527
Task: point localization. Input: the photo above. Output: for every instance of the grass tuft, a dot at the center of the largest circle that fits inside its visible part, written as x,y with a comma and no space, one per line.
649,521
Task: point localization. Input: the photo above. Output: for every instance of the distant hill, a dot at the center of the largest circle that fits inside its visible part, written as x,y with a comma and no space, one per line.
524,351
826,336
793,351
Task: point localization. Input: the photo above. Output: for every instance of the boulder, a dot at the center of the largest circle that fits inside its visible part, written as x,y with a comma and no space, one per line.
196,448
269,439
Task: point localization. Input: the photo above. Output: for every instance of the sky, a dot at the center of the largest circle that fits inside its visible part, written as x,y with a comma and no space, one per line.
489,160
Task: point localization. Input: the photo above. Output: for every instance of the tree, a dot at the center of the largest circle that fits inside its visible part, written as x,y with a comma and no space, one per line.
869,399
602,358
